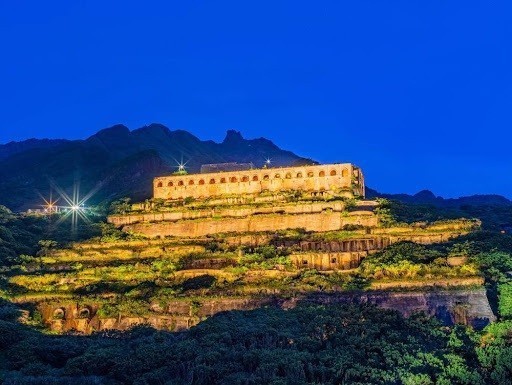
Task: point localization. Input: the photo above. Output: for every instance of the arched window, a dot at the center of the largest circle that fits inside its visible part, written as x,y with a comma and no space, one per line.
311,174
212,181
299,175
180,183
84,312
255,178
233,179
201,181
321,174
245,179
333,173
288,176
191,182
170,184
344,173
277,176
222,180
160,184
266,177
59,313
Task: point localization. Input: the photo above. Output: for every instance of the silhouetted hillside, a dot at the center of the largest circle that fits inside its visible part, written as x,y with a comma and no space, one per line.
426,197
13,148
121,161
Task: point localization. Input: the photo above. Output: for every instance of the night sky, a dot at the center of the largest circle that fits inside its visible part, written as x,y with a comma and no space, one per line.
418,93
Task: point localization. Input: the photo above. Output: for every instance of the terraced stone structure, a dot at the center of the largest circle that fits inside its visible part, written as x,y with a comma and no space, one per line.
335,179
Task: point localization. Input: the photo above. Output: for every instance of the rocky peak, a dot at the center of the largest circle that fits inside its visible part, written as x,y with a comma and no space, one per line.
425,195
114,132
233,137
154,129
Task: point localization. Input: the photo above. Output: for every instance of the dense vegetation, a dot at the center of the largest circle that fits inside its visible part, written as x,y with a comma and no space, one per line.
22,234
493,217
306,345
336,344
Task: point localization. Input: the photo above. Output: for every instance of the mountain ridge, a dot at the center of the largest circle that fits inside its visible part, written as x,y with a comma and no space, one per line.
125,161
141,154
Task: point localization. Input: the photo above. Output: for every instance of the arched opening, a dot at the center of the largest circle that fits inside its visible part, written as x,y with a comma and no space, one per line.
191,182
212,181
255,178
201,181
245,179
333,172
344,173
266,177
59,313
170,184
288,176
311,174
321,174
84,312
277,176
180,183
160,184
222,180
233,179
299,175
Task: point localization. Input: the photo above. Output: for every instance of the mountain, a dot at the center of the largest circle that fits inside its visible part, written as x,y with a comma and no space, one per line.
426,197
13,148
119,162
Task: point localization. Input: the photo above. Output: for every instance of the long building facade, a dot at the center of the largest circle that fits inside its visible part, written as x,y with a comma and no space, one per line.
338,179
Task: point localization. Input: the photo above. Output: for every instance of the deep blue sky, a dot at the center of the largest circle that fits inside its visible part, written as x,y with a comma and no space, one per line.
418,93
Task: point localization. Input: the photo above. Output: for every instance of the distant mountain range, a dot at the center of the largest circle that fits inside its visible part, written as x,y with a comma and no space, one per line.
119,162
427,197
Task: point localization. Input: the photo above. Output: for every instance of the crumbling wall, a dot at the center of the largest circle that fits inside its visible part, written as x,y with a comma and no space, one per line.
321,222
463,306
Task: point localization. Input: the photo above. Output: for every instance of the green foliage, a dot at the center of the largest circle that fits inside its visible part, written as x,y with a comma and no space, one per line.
264,257
47,246
20,234
385,213
505,300
110,233
402,251
120,206
306,345
126,306
492,216
494,265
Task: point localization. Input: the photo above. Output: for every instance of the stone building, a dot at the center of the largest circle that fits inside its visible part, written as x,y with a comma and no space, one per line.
336,179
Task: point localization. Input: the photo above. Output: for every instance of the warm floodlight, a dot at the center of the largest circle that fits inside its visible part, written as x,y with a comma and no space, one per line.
75,205
181,166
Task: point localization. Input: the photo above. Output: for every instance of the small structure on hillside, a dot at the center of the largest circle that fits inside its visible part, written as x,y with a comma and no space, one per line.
225,167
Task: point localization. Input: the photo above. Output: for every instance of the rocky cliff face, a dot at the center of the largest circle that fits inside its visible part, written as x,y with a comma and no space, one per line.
466,306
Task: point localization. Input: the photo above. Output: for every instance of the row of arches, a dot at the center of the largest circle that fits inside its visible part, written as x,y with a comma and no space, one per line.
84,312
255,178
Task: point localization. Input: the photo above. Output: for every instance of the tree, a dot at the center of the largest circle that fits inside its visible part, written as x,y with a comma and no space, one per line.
120,206
47,246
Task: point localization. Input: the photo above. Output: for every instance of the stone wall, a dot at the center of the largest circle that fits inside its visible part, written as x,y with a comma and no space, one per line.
325,221
331,177
353,244
241,212
463,306
328,261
